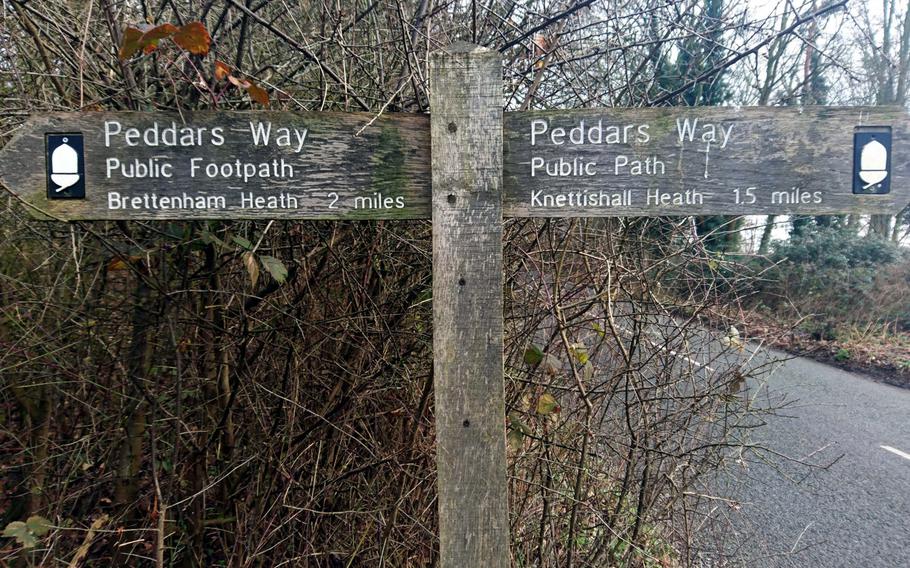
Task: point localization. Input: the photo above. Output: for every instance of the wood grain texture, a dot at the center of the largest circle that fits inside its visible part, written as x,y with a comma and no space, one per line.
796,160
466,131
792,160
387,161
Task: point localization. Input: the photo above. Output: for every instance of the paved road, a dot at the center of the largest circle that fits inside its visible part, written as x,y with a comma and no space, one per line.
855,513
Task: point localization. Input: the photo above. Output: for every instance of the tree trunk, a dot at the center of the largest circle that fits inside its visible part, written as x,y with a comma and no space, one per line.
881,226
766,234
138,365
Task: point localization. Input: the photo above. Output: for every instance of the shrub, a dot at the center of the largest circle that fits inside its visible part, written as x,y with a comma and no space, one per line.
841,279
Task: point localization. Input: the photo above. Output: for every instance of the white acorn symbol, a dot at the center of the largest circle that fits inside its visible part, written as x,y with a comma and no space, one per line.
64,166
873,163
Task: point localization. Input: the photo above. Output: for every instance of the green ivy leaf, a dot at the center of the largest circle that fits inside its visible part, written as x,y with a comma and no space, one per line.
533,355
14,528
517,432
275,267
208,238
242,242
515,439
19,531
515,423
38,525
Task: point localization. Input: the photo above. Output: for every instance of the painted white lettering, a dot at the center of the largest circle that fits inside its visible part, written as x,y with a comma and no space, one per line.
109,130
155,201
584,199
796,196
577,134
277,168
280,201
686,129
131,136
260,133
650,166
538,126
643,136
557,135
676,198
706,132
112,164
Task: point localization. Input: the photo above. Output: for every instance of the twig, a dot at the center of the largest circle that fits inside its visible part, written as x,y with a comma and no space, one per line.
732,60
42,50
304,51
548,22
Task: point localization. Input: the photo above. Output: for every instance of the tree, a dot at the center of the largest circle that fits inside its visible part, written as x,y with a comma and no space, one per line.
887,61
808,62
699,53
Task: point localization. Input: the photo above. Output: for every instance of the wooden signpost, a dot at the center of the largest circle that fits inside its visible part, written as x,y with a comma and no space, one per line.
466,166
229,165
587,163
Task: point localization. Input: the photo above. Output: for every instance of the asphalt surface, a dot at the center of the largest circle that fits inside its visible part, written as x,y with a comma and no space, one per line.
834,491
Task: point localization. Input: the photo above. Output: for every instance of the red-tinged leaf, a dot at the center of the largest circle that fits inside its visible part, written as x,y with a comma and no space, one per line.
150,47
242,83
194,38
153,35
130,44
547,404
258,94
222,71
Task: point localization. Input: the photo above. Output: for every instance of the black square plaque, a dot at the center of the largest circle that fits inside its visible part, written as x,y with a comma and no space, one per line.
65,158
872,160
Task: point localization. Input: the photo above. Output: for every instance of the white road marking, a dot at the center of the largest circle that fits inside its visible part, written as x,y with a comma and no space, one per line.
895,451
672,352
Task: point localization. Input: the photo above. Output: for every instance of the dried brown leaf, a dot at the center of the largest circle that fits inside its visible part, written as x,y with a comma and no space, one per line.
194,38
222,71
258,94
153,35
130,44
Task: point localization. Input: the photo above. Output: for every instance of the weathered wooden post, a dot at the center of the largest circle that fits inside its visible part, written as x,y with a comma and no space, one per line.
466,158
